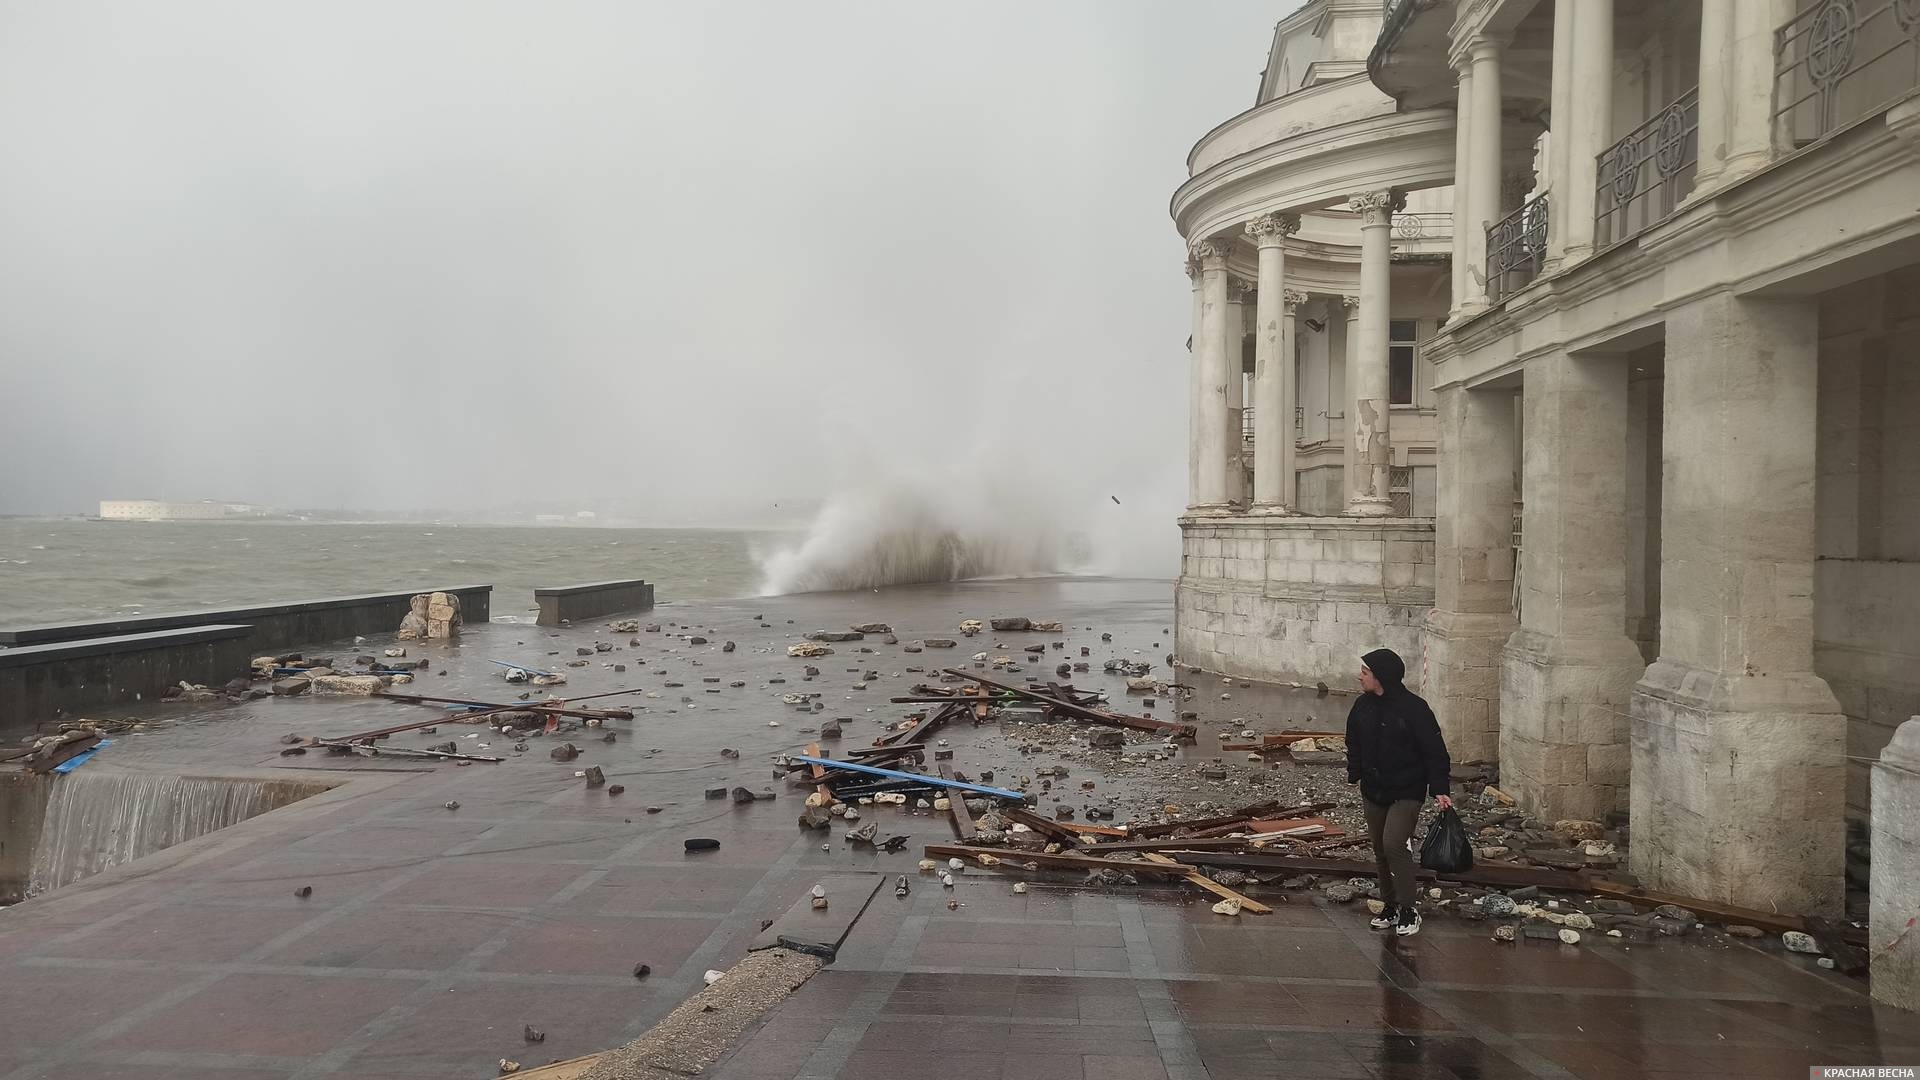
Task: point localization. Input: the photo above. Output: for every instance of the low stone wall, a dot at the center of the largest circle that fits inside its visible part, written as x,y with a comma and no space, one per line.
41,682
1299,599
571,603
275,626
23,807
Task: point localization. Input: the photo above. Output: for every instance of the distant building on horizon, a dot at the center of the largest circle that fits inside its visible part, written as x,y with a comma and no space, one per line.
156,510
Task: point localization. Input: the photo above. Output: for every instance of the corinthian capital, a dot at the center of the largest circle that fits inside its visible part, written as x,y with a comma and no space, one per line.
1211,251
1376,207
1239,291
1269,230
1293,298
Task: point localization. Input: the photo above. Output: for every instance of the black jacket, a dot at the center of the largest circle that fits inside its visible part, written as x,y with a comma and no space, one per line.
1394,748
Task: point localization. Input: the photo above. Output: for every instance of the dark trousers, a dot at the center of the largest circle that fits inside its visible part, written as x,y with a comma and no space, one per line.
1389,828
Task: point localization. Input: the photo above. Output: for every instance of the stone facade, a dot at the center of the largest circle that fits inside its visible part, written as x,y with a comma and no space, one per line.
1896,870
1296,599
1673,408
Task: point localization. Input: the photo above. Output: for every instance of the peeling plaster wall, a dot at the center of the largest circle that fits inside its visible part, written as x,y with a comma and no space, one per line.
1867,579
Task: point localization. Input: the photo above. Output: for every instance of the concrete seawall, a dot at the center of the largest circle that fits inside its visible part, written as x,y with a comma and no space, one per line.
568,603
59,669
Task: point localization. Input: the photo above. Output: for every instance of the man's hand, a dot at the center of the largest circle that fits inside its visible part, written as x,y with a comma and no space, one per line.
1444,802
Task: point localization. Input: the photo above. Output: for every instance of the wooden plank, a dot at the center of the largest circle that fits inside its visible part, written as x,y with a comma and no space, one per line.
1283,740
1247,903
963,826
1017,859
1082,712
1481,874
1052,830
1245,813
820,777
1723,913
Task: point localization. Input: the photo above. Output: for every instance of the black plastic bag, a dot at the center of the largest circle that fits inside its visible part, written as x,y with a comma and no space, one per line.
1445,850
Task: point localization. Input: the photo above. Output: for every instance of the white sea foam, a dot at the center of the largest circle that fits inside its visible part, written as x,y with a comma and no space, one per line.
914,531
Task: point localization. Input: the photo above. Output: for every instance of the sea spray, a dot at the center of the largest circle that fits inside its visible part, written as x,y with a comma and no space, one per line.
904,533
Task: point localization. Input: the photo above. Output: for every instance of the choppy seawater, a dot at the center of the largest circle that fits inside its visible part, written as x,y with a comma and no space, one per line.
57,570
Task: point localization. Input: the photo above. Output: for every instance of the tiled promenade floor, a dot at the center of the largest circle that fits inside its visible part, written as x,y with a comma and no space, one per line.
433,936
1061,984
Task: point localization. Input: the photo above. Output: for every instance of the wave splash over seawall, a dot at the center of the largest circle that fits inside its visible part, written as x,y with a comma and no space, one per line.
903,534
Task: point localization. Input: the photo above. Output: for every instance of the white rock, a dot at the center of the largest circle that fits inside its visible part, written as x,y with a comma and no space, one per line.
819,891
946,880
1227,907
1020,888
1795,941
927,866
712,977
1571,937
956,864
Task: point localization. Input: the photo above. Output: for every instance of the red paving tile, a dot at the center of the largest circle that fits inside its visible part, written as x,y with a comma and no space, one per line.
44,1006
572,944
278,1015
379,937
486,1022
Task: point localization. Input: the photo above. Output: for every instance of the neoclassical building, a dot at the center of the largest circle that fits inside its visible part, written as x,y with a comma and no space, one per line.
1584,353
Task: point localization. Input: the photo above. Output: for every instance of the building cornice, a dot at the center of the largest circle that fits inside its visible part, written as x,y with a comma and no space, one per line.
1718,242
1320,169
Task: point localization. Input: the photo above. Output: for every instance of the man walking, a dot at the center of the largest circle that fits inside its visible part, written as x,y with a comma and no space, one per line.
1396,755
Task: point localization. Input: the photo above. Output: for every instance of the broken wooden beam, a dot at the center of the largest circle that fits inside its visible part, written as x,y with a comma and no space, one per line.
1019,860
1082,712
963,826
1245,813
895,774
1481,874
1195,877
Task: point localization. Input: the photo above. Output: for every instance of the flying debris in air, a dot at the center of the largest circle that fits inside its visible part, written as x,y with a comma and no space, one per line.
1115,498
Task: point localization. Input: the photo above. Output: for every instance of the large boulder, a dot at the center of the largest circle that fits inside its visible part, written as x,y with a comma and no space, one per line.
414,626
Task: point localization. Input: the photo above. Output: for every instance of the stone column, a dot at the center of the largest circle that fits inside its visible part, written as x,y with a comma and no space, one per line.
1349,363
1895,884
1716,42
1462,260
1211,347
1739,778
1273,389
1240,297
1194,396
1748,71
1483,171
1472,614
1568,671
1558,143
1370,442
1592,128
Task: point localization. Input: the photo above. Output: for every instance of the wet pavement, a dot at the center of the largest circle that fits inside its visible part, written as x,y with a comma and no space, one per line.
432,936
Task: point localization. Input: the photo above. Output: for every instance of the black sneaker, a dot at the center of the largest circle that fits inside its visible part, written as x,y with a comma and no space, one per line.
1387,917
1409,924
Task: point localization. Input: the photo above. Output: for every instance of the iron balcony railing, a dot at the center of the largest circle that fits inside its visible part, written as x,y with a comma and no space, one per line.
1643,177
1246,424
1517,247
1422,226
1839,60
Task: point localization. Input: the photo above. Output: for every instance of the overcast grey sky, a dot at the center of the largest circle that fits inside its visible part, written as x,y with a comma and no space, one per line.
454,254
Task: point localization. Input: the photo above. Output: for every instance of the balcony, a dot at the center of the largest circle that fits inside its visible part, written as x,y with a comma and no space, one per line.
1840,60
1517,247
1643,177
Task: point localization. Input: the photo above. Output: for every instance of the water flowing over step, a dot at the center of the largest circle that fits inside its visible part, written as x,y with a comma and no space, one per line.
100,817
